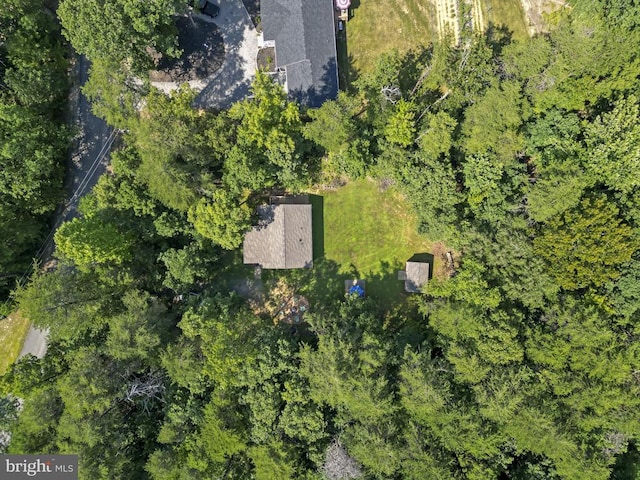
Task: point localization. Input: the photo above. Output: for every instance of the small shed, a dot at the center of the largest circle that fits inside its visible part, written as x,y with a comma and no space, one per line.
415,276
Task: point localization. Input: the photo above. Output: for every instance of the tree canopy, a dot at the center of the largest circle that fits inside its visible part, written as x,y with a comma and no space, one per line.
121,30
167,358
33,133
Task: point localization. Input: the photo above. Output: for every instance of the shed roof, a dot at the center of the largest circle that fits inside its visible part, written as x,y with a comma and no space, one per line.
282,239
417,276
305,45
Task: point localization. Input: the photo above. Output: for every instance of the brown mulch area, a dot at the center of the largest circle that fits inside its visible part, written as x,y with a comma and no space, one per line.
202,53
267,59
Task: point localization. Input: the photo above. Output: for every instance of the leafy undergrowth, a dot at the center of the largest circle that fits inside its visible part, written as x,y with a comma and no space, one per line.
13,331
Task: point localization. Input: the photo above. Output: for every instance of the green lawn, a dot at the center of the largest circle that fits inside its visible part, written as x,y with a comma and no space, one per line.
379,26
507,13
358,232
366,234
13,331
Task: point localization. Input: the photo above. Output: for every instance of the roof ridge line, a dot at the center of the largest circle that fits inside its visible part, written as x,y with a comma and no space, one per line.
284,233
299,61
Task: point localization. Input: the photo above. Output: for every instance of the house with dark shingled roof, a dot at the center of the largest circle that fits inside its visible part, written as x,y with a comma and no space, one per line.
282,238
303,34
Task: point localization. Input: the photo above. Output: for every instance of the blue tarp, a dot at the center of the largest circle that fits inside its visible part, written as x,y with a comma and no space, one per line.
357,290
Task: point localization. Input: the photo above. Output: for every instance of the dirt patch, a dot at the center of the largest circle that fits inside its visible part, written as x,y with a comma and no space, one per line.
446,261
538,11
202,53
447,17
452,14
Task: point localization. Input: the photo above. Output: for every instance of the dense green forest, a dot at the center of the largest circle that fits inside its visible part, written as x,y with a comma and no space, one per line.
33,133
524,364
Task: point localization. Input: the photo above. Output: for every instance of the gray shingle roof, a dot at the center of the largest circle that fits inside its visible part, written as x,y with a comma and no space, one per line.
282,239
304,35
417,276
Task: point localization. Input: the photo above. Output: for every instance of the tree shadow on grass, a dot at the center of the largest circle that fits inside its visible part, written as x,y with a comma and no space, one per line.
384,286
324,287
317,224
403,313
324,284
347,71
498,37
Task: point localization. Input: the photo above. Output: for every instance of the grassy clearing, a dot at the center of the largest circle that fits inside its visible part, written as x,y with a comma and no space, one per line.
379,26
13,331
370,235
358,232
507,13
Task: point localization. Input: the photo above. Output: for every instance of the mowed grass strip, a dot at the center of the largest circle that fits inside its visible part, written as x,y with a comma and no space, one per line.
380,26
372,233
13,331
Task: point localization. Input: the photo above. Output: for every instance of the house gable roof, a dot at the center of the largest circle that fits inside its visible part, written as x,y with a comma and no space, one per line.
282,239
304,36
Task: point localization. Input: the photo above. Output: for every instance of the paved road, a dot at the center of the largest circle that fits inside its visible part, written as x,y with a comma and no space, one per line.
35,343
89,157
91,147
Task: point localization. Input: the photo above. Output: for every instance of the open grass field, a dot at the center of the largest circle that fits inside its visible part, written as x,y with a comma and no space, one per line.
370,235
13,331
379,26
508,13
